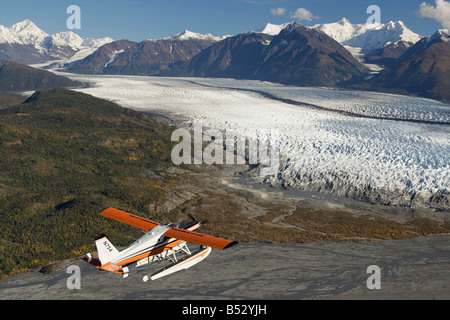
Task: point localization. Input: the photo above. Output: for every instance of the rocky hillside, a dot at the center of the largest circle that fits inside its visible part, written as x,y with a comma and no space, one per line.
424,69
65,156
18,77
148,57
297,55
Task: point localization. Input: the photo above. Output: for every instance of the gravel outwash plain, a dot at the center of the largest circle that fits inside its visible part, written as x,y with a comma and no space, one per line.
410,269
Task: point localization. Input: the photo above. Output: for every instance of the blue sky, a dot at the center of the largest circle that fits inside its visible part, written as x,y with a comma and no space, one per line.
138,20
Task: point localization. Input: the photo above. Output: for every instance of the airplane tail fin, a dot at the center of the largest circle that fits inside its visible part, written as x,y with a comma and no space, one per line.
106,253
106,250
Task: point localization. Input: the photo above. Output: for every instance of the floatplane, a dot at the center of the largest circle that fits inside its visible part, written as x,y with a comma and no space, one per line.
160,242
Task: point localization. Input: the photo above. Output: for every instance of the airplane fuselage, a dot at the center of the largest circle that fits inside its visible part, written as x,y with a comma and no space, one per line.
151,243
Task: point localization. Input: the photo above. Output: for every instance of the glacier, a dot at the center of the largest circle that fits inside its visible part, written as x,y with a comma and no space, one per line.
376,147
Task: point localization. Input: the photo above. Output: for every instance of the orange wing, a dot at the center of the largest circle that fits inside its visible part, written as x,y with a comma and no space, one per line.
181,234
199,238
128,218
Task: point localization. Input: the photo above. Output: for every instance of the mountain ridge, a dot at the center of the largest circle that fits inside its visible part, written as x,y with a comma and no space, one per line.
24,42
187,35
368,37
147,57
360,53
424,69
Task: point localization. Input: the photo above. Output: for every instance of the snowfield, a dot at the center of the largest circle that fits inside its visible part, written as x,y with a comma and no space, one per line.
381,148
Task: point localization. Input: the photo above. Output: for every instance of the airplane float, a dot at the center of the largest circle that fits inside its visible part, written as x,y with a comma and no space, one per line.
160,242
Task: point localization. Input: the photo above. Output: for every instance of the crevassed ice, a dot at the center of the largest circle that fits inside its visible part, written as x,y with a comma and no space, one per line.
318,149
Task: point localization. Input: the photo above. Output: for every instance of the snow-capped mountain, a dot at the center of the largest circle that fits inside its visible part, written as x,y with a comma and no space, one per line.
26,43
272,29
189,35
445,35
375,44
24,32
442,35
343,30
380,36
368,38
423,69
296,55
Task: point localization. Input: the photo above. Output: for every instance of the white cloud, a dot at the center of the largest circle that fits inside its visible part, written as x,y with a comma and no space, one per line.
440,13
303,14
278,11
